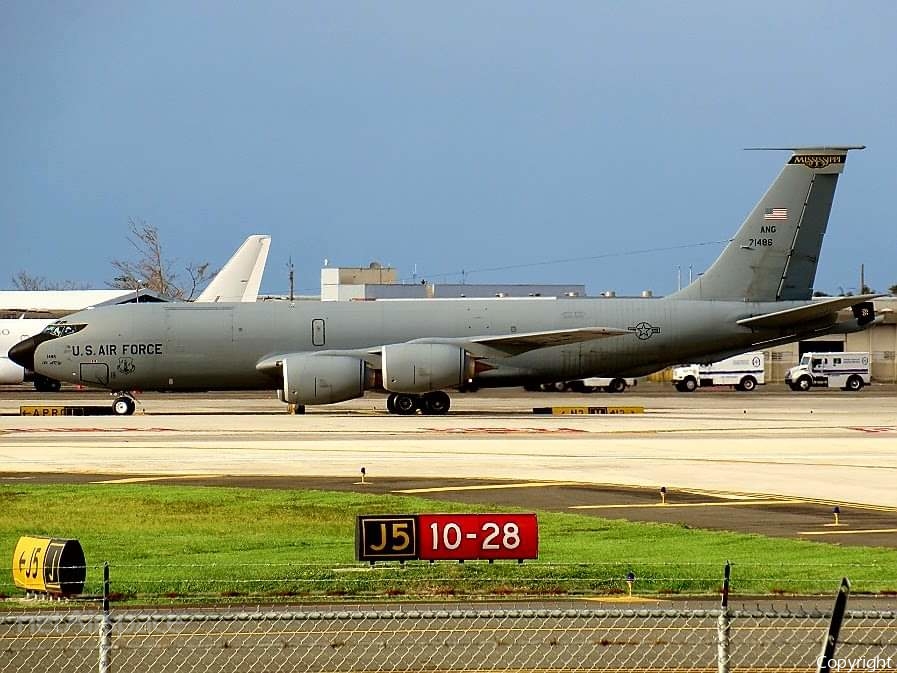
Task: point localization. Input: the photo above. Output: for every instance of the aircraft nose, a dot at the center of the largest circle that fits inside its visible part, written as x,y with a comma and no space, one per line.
23,353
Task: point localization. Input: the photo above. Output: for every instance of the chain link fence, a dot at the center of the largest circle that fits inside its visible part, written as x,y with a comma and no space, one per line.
439,640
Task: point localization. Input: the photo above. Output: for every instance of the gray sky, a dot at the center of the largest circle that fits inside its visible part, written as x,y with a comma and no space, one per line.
451,136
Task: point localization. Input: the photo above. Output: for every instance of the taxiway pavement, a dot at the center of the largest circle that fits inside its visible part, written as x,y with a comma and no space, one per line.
782,458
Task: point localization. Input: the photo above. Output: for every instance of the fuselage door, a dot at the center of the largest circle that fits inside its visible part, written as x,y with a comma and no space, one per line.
318,332
95,372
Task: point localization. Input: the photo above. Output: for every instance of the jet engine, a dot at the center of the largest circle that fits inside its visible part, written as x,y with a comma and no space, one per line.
424,367
322,379
10,372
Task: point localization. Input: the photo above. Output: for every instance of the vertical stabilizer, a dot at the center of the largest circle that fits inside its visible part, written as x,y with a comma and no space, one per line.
775,252
241,277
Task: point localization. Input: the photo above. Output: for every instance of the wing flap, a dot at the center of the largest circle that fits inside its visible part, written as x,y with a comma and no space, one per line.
804,314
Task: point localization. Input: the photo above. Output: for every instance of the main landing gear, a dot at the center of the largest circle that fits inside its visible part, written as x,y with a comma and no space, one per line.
123,405
436,403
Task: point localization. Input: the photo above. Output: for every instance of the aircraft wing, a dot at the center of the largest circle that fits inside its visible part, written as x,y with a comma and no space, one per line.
482,346
805,314
527,341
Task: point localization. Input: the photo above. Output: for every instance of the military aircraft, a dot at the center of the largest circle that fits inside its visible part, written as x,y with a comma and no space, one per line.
757,294
238,280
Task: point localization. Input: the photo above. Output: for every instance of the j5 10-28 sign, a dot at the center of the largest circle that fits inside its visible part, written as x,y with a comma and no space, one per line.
447,537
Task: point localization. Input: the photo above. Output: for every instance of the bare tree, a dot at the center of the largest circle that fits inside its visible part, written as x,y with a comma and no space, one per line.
25,281
152,270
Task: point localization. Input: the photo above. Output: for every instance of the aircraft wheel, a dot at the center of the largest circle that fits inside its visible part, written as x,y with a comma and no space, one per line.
391,403
804,383
404,404
617,386
557,386
436,403
298,409
44,385
689,385
748,383
123,406
854,383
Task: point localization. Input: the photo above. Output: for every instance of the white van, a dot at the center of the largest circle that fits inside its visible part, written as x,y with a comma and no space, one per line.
848,371
744,372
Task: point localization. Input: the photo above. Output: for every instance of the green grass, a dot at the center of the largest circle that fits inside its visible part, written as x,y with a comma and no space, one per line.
256,544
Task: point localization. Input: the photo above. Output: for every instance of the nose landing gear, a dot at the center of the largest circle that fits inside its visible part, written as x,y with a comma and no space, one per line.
123,405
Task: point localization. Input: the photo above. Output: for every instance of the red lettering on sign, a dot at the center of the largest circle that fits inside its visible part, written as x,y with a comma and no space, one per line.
470,537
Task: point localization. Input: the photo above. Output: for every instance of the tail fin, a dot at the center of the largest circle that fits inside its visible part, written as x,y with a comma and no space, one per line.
241,277
774,255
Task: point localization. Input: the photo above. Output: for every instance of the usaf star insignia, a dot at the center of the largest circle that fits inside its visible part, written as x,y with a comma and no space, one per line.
644,330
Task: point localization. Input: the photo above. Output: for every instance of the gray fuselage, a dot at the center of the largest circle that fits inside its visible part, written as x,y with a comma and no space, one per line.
217,347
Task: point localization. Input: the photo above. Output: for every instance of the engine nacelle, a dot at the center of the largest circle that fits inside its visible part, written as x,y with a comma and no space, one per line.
424,367
10,372
323,379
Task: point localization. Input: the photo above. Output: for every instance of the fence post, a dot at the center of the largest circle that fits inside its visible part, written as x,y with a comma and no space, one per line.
723,627
105,626
834,629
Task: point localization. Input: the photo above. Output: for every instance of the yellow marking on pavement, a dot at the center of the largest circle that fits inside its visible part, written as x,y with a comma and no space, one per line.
136,480
867,531
726,503
723,495
489,487
621,599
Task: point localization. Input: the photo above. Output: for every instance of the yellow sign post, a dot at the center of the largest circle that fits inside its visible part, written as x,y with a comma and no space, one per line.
49,565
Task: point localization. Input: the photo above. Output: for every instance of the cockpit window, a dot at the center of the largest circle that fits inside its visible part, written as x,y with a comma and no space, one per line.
61,329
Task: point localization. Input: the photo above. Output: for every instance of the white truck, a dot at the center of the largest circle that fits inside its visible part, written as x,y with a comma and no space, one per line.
744,372
590,385
848,371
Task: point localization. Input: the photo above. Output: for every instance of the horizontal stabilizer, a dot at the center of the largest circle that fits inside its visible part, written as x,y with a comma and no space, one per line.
804,314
